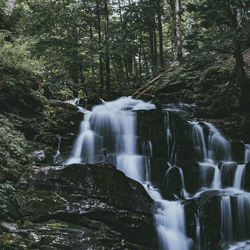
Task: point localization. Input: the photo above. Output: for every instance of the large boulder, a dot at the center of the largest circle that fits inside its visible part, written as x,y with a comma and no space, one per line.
205,208
109,209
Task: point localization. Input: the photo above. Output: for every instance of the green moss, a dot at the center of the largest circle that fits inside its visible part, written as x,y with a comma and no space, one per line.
215,75
56,224
14,150
10,241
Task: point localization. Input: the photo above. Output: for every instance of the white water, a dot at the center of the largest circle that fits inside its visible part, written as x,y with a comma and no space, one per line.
108,133
239,176
226,218
198,231
58,150
209,151
170,137
218,147
112,127
247,153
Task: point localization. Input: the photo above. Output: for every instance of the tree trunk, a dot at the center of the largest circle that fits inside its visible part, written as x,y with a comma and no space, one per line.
152,56
107,59
155,52
100,47
159,23
239,61
178,30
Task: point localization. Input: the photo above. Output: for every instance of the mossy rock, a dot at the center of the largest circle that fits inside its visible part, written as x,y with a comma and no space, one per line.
215,75
10,241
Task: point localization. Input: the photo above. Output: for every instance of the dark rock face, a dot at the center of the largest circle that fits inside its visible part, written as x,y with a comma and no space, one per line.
172,183
159,167
207,206
238,150
227,173
191,171
152,127
94,202
247,178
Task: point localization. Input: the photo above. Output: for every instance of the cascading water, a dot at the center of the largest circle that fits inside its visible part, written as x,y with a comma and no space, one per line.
109,131
58,150
239,176
247,153
108,134
226,218
214,152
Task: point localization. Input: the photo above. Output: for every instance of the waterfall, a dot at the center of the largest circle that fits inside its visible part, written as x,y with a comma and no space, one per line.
218,147
170,222
58,150
239,176
209,151
199,141
243,223
198,231
226,218
216,183
111,128
108,133
247,153
170,137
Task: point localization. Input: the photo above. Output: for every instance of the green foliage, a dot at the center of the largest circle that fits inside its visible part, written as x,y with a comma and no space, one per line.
13,151
215,75
7,190
10,241
16,55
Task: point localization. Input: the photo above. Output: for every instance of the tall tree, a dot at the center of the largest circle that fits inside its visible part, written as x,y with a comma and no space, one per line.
107,56
178,30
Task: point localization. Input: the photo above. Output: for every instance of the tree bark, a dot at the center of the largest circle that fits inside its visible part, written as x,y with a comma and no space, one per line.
178,30
107,56
98,13
159,23
239,61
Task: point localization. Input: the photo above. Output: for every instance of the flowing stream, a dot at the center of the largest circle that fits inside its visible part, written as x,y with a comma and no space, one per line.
108,133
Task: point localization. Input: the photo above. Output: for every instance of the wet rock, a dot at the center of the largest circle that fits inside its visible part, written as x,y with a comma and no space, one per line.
172,185
247,178
238,150
227,173
207,206
191,171
110,209
38,156
159,167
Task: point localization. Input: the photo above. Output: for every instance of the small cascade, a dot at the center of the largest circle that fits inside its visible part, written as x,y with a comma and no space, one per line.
184,191
58,150
108,133
111,128
199,141
216,183
239,176
235,219
209,151
170,138
247,153
219,149
243,218
226,218
170,223
198,231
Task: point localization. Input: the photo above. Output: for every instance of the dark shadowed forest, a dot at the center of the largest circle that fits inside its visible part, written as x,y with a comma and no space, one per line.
125,124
